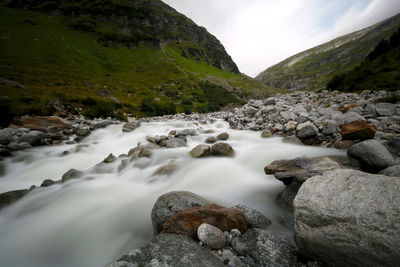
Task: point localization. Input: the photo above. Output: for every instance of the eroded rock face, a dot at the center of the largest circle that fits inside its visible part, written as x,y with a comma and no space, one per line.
358,130
266,248
187,221
171,203
349,218
169,250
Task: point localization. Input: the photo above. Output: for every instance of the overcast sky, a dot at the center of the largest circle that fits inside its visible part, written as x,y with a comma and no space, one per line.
260,33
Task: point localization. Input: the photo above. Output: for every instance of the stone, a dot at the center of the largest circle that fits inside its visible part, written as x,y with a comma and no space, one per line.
47,182
306,130
32,139
270,101
358,130
82,132
330,127
289,116
352,116
71,174
385,109
10,197
254,218
130,126
251,111
110,158
101,124
211,236
255,103
172,142
372,154
211,140
169,250
165,170
343,144
222,149
266,248
266,134
223,136
200,151
393,145
291,126
292,140
186,132
391,171
188,220
349,218
41,123
171,203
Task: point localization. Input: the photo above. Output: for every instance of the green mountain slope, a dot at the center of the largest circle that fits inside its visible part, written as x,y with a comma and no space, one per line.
380,70
312,69
92,60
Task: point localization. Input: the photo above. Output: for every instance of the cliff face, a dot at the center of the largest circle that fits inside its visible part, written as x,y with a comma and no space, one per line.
149,22
312,69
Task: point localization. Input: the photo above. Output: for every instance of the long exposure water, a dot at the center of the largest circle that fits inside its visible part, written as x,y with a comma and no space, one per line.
93,220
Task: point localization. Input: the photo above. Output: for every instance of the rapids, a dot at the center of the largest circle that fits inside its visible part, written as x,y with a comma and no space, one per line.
93,220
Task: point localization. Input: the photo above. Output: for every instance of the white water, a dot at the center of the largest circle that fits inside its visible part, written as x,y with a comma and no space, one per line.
95,219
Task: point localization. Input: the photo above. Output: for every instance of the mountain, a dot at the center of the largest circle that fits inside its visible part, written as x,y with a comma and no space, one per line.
313,68
109,57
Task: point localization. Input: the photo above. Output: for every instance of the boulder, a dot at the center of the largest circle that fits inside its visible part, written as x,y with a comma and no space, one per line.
289,116
32,139
211,236
372,154
385,109
171,203
349,218
391,171
223,136
222,149
188,220
292,140
266,134
71,174
169,250
110,158
173,142
291,126
255,103
358,130
352,116
251,111
266,248
101,124
270,101
306,130
254,218
41,123
211,140
47,182
82,132
130,126
393,145
330,127
200,151
10,197
165,169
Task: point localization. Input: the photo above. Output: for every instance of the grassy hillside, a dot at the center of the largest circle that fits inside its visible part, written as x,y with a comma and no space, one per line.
380,70
52,59
312,69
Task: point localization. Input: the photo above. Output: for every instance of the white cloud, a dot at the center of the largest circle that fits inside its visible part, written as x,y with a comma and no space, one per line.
260,33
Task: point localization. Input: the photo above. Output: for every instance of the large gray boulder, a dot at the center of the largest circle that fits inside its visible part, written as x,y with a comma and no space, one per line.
171,203
385,109
349,218
372,154
169,250
266,248
306,130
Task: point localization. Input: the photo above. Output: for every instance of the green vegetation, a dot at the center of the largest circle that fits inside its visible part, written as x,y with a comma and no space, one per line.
380,70
88,66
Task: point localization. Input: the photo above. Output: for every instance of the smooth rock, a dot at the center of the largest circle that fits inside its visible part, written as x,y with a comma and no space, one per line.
266,134
110,158
188,220
200,151
330,127
82,132
223,136
343,144
130,126
306,130
391,171
254,218
222,149
393,145
10,197
71,174
292,140
349,218
372,154
352,116
171,203
47,182
270,101
358,130
165,170
385,109
211,140
211,236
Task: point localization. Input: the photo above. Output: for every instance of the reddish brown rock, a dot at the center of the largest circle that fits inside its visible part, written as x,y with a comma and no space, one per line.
188,220
358,130
44,123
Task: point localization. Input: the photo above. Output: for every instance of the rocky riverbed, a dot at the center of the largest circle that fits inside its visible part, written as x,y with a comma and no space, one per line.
336,208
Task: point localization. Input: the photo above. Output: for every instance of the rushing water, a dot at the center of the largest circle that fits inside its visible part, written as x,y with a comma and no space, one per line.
95,219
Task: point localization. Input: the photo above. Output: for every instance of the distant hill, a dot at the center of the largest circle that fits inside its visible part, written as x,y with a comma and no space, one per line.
109,57
312,69
380,70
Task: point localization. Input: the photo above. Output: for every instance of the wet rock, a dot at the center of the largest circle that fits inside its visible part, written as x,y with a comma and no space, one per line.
200,151
171,203
145,153
33,138
391,171
211,140
10,197
82,132
71,174
130,126
372,154
223,136
101,124
41,123
188,220
222,149
266,248
349,218
306,130
358,130
173,142
211,236
169,250
186,132
110,158
292,140
165,170
266,134
47,182
254,218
